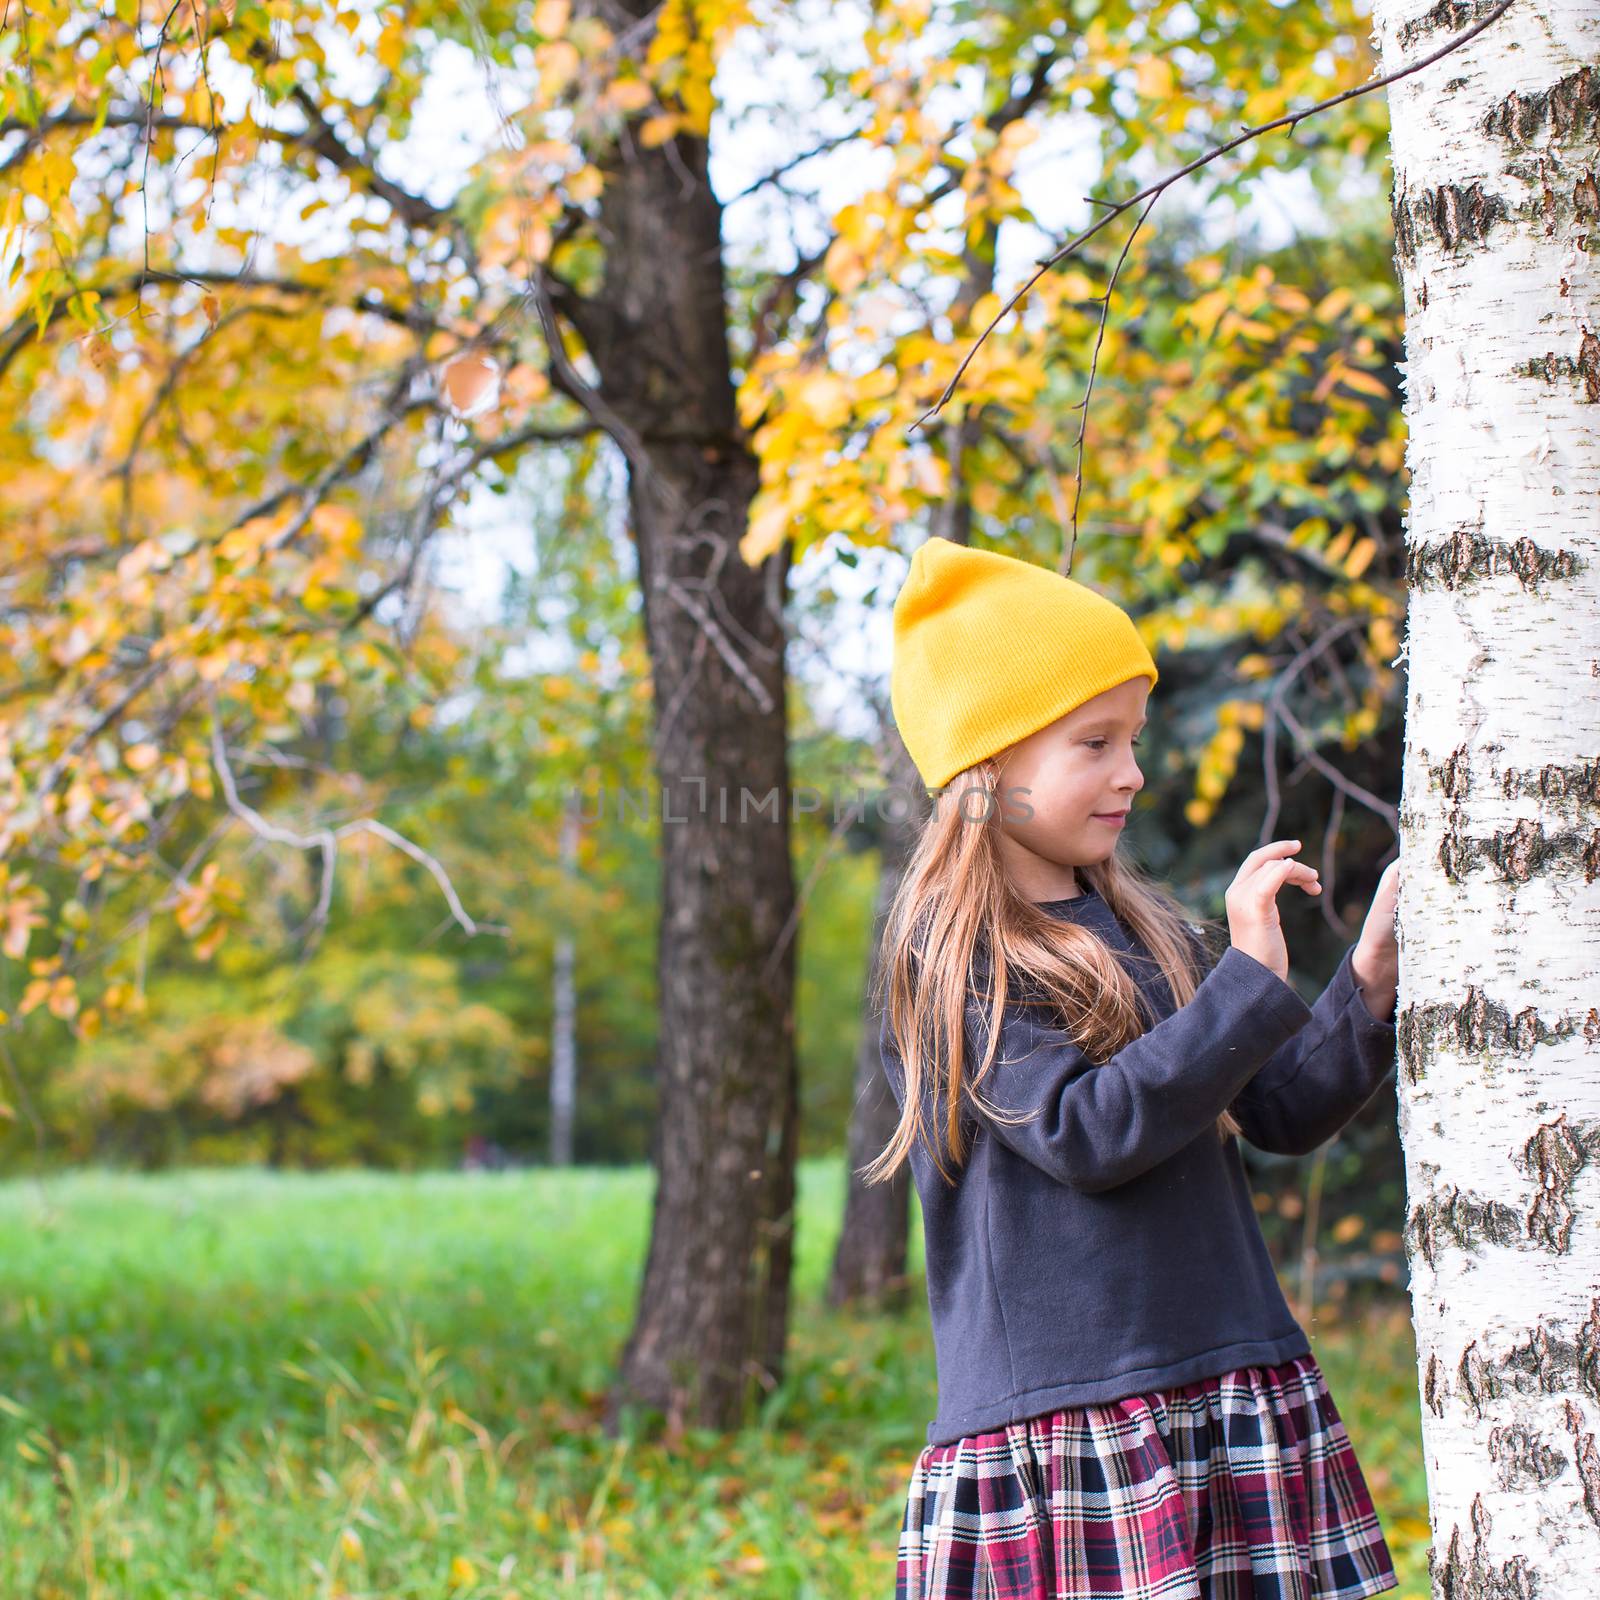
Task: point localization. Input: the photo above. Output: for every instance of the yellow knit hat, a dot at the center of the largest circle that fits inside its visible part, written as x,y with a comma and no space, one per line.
988,649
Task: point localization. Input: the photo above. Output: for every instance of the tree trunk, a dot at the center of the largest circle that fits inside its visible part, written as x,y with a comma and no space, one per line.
1496,217
869,1261
564,1024
713,1306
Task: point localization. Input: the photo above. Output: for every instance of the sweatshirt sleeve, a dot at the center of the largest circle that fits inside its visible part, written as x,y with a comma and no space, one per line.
1314,1084
1096,1126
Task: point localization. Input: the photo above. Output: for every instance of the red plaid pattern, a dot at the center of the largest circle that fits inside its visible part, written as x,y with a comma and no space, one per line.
1238,1487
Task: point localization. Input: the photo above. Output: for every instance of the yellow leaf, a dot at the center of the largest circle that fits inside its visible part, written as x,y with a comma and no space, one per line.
1251,329
986,496
765,530
1364,382
657,130
338,525
550,18
1360,557
391,46
1332,304
1154,77
585,184
630,94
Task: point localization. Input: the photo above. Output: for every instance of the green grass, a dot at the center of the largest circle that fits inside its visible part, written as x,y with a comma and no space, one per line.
248,1385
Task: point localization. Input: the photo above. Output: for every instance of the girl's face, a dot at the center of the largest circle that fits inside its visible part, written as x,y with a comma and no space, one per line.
1076,776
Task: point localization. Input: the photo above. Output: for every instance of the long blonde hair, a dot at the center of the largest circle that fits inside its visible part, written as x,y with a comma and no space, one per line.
956,916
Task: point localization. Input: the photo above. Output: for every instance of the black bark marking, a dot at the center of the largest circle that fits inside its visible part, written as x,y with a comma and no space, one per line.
1476,1381
1460,1576
1523,1458
1587,1359
1582,368
1553,1158
1454,774
1578,782
1462,216
1468,556
1569,109
1405,239
1541,1363
1478,1516
1552,783
1589,365
1449,16
1544,1363
1451,1217
1412,1042
1587,1459
1452,214
1433,1389
1518,853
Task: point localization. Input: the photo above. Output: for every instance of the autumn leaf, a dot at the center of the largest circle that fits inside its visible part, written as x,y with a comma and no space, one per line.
471,383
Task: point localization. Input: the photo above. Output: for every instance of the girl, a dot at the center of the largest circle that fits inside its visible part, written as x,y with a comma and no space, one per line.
1127,1406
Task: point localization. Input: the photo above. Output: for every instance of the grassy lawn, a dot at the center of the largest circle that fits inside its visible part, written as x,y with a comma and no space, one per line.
249,1385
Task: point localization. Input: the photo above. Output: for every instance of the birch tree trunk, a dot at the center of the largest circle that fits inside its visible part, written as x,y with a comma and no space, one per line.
1496,224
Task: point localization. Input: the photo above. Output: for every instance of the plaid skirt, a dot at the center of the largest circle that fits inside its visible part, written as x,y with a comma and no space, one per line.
1238,1487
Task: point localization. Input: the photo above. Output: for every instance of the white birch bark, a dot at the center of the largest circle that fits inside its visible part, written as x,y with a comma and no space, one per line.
1497,225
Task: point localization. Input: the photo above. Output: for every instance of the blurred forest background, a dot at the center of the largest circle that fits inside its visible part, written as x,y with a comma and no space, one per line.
1243,494
321,502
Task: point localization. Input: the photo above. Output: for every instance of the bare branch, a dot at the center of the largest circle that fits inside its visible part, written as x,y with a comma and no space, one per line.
412,209
1277,710
326,840
25,327
778,173
572,384
1071,543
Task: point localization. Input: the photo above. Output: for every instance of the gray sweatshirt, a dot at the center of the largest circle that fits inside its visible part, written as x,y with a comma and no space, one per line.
1110,1247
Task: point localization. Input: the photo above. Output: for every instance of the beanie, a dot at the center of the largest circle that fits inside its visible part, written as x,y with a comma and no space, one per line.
988,649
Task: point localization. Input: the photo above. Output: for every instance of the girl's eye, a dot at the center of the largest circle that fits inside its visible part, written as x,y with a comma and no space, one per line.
1095,744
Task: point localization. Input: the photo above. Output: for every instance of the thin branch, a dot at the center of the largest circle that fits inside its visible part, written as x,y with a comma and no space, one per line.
1070,545
25,328
1290,119
412,209
125,471
780,172
326,841
1277,710
573,384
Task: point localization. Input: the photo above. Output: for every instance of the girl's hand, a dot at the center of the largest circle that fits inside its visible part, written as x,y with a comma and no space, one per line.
1252,902
1375,961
